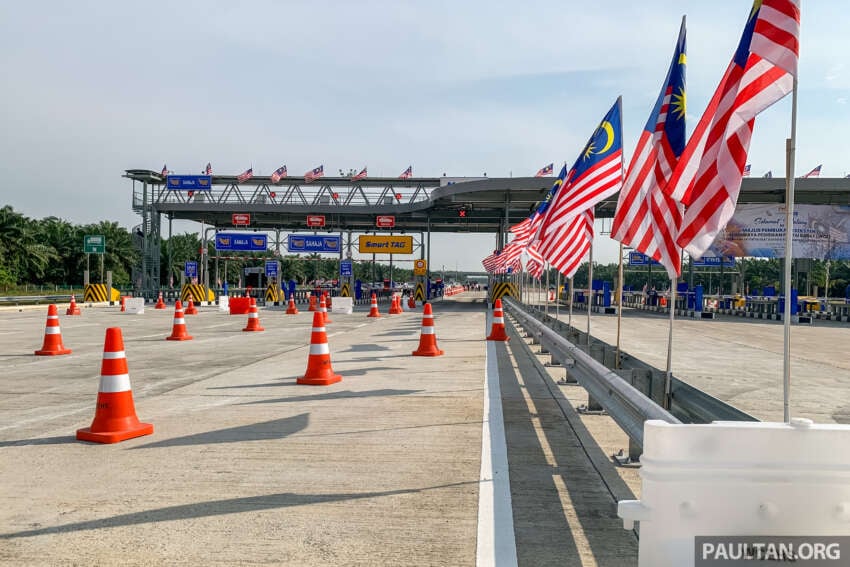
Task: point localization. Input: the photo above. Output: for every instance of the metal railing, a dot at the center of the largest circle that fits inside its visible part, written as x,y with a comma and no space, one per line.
626,405
631,394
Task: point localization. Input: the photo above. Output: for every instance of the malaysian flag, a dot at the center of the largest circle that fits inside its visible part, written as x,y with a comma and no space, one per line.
314,173
815,172
208,169
245,175
359,176
491,261
707,178
535,261
164,170
646,218
746,172
597,174
278,173
545,170
532,230
407,173
768,175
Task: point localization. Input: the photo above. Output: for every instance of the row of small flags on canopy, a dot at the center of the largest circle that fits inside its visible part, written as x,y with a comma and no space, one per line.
280,173
813,173
676,194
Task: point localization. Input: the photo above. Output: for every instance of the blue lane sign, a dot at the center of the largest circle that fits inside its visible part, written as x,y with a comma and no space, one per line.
188,182
244,242
638,259
715,261
191,269
313,243
271,268
345,268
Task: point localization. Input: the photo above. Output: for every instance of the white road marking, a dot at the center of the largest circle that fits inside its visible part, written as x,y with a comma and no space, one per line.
496,541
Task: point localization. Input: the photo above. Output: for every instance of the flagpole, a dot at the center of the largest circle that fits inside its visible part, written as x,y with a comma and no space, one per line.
547,289
668,375
557,295
791,148
619,304
589,289
570,316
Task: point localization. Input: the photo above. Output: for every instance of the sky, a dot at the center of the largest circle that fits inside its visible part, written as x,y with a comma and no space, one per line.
503,87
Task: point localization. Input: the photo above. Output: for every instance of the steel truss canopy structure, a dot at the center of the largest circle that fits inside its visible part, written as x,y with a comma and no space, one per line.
436,204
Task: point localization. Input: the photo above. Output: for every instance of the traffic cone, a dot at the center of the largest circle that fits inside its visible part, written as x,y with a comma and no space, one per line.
497,330
323,309
312,303
52,335
178,331
160,304
319,371
253,317
123,304
115,414
427,337
191,309
327,300
394,307
291,309
411,303
373,311
73,309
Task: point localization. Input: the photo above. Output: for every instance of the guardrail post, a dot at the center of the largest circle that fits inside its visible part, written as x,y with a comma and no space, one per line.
635,451
593,405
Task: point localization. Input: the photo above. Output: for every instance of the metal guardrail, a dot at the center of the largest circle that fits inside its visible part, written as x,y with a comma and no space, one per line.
627,406
27,299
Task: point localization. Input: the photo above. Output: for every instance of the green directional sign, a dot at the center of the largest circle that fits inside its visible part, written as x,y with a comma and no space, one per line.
94,244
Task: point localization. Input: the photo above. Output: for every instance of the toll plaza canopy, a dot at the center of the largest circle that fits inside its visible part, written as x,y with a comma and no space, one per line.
426,204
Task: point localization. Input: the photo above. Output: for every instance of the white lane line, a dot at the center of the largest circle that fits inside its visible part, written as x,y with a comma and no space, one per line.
496,542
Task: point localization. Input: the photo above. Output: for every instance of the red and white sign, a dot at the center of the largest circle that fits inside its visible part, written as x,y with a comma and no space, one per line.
240,219
315,220
385,221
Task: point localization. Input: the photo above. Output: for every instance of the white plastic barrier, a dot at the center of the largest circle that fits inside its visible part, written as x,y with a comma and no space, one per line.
343,305
738,479
224,303
134,305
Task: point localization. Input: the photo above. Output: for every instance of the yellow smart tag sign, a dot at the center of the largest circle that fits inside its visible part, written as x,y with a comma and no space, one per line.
386,244
420,268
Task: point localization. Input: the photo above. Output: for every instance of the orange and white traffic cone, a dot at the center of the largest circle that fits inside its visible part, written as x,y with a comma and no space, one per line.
115,414
312,303
394,308
191,309
497,330
178,331
123,304
373,310
291,309
160,304
52,335
319,370
73,309
253,317
411,302
323,309
327,300
427,337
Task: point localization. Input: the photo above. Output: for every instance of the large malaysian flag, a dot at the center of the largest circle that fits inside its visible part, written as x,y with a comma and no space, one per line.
707,178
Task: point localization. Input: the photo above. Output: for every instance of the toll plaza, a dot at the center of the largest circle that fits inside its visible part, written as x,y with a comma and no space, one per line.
519,450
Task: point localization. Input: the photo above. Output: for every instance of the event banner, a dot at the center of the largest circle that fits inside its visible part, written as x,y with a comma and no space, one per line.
820,232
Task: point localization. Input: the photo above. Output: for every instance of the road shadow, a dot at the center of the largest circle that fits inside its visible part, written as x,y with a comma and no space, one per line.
365,348
344,394
263,431
221,508
39,441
